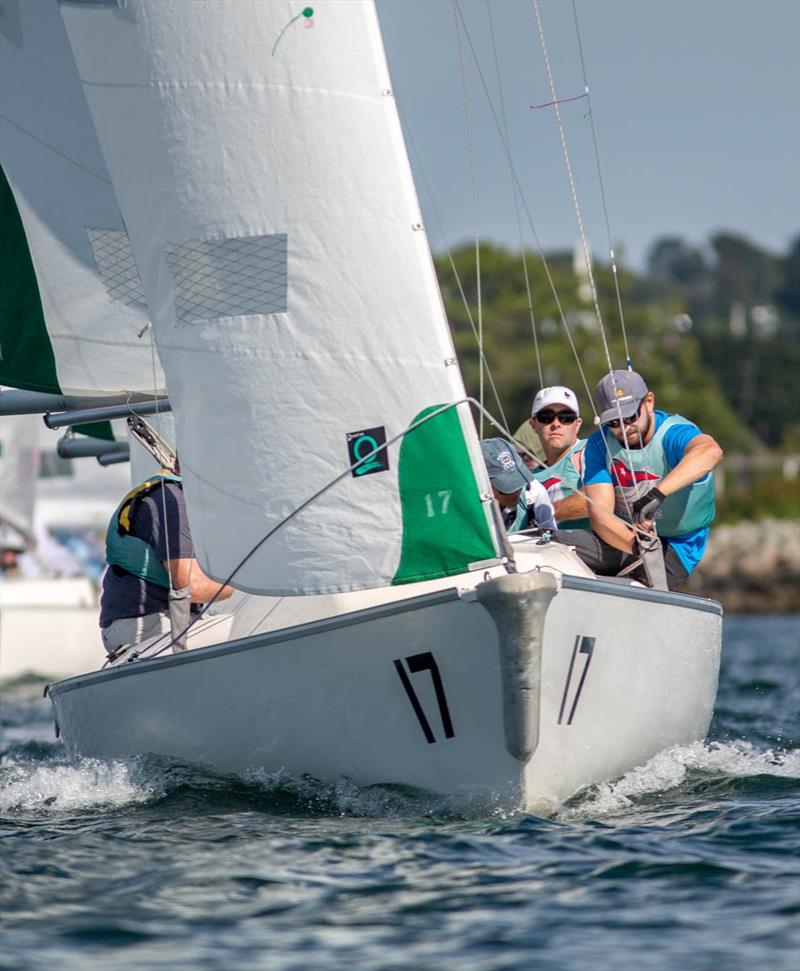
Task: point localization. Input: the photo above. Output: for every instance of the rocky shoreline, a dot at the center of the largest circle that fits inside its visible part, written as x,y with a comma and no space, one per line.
752,567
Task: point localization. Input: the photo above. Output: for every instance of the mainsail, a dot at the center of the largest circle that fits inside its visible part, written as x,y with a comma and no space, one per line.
257,160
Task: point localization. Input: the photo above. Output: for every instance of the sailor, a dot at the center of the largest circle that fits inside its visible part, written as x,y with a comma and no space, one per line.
649,468
150,558
556,421
523,501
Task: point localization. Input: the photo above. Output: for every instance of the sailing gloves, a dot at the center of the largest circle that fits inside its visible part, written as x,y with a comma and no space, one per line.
648,506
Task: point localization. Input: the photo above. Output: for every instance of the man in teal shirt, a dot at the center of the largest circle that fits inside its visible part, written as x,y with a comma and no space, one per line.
556,420
645,470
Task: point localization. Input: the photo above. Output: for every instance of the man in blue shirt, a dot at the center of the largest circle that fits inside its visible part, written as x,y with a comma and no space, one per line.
150,553
645,470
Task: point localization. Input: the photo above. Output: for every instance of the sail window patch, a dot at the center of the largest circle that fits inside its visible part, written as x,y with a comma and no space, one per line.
117,268
232,277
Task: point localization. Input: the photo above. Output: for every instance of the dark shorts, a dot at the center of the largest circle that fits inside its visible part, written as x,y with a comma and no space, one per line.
607,561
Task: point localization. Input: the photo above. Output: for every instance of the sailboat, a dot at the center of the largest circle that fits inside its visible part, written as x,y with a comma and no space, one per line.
237,229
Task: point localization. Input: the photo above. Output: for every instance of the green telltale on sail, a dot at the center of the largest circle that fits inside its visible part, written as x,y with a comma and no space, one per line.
445,526
26,354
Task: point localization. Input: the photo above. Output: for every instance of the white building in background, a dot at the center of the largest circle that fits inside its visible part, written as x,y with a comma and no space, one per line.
582,270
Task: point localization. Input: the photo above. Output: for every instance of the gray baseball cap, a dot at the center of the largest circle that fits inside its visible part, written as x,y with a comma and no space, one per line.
507,473
619,392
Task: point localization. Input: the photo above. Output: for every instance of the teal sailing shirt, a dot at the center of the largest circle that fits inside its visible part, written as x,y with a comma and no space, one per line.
686,514
564,478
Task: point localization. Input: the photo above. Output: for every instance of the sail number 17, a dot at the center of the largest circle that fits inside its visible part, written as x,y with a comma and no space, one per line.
425,662
437,503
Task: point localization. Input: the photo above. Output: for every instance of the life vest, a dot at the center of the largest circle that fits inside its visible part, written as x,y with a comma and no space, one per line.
636,471
129,552
562,479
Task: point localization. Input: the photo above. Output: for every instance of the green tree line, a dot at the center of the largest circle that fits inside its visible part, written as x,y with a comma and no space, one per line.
715,331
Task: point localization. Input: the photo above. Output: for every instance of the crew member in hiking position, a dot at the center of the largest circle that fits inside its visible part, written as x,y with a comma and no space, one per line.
523,502
647,468
556,421
150,555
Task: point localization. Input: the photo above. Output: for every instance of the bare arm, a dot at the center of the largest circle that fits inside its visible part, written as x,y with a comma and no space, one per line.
572,507
615,531
701,456
189,573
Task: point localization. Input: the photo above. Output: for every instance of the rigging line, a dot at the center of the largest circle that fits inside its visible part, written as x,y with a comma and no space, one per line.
149,329
584,244
474,198
638,530
572,188
437,218
534,233
545,264
306,503
601,181
329,485
55,151
561,101
516,200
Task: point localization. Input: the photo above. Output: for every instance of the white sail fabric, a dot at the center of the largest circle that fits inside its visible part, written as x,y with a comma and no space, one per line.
258,161
86,338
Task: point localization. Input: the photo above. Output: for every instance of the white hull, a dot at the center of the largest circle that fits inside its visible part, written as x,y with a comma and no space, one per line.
356,695
48,627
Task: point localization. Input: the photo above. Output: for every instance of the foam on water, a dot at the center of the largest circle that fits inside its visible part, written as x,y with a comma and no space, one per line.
91,784
87,784
670,768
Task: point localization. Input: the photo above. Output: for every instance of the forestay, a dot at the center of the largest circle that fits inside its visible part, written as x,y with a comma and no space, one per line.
258,162
72,311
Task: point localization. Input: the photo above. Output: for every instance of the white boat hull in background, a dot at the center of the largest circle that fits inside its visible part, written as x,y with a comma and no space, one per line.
48,627
412,693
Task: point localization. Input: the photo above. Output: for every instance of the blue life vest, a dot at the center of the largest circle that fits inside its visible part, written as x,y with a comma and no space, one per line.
688,509
129,552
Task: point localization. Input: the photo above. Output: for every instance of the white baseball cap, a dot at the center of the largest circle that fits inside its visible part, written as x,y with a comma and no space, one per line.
557,395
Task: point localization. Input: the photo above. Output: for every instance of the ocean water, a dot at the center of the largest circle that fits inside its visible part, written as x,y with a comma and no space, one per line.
689,862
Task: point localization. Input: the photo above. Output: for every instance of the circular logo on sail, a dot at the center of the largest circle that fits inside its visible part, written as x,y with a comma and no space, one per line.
364,449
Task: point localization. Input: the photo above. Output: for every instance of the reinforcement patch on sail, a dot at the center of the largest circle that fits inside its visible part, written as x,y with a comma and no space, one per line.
117,267
444,522
26,354
233,277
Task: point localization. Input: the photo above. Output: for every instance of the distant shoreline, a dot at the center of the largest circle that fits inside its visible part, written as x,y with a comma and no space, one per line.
752,567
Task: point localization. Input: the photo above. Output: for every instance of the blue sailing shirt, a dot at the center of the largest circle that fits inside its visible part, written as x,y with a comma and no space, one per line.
689,546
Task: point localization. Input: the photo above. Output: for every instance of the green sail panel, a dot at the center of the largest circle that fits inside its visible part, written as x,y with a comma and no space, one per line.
97,429
26,354
444,520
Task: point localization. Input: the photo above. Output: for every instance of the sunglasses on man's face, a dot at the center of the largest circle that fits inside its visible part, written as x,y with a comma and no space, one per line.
548,417
630,420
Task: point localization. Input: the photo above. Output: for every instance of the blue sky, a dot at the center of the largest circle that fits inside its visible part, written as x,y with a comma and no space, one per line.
696,105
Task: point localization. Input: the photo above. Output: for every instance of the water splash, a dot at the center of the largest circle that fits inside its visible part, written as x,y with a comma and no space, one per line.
674,766
89,784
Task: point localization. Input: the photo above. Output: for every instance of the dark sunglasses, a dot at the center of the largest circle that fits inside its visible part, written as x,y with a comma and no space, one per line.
548,417
630,420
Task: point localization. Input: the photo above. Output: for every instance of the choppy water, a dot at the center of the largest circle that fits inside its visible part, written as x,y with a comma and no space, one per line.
689,862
